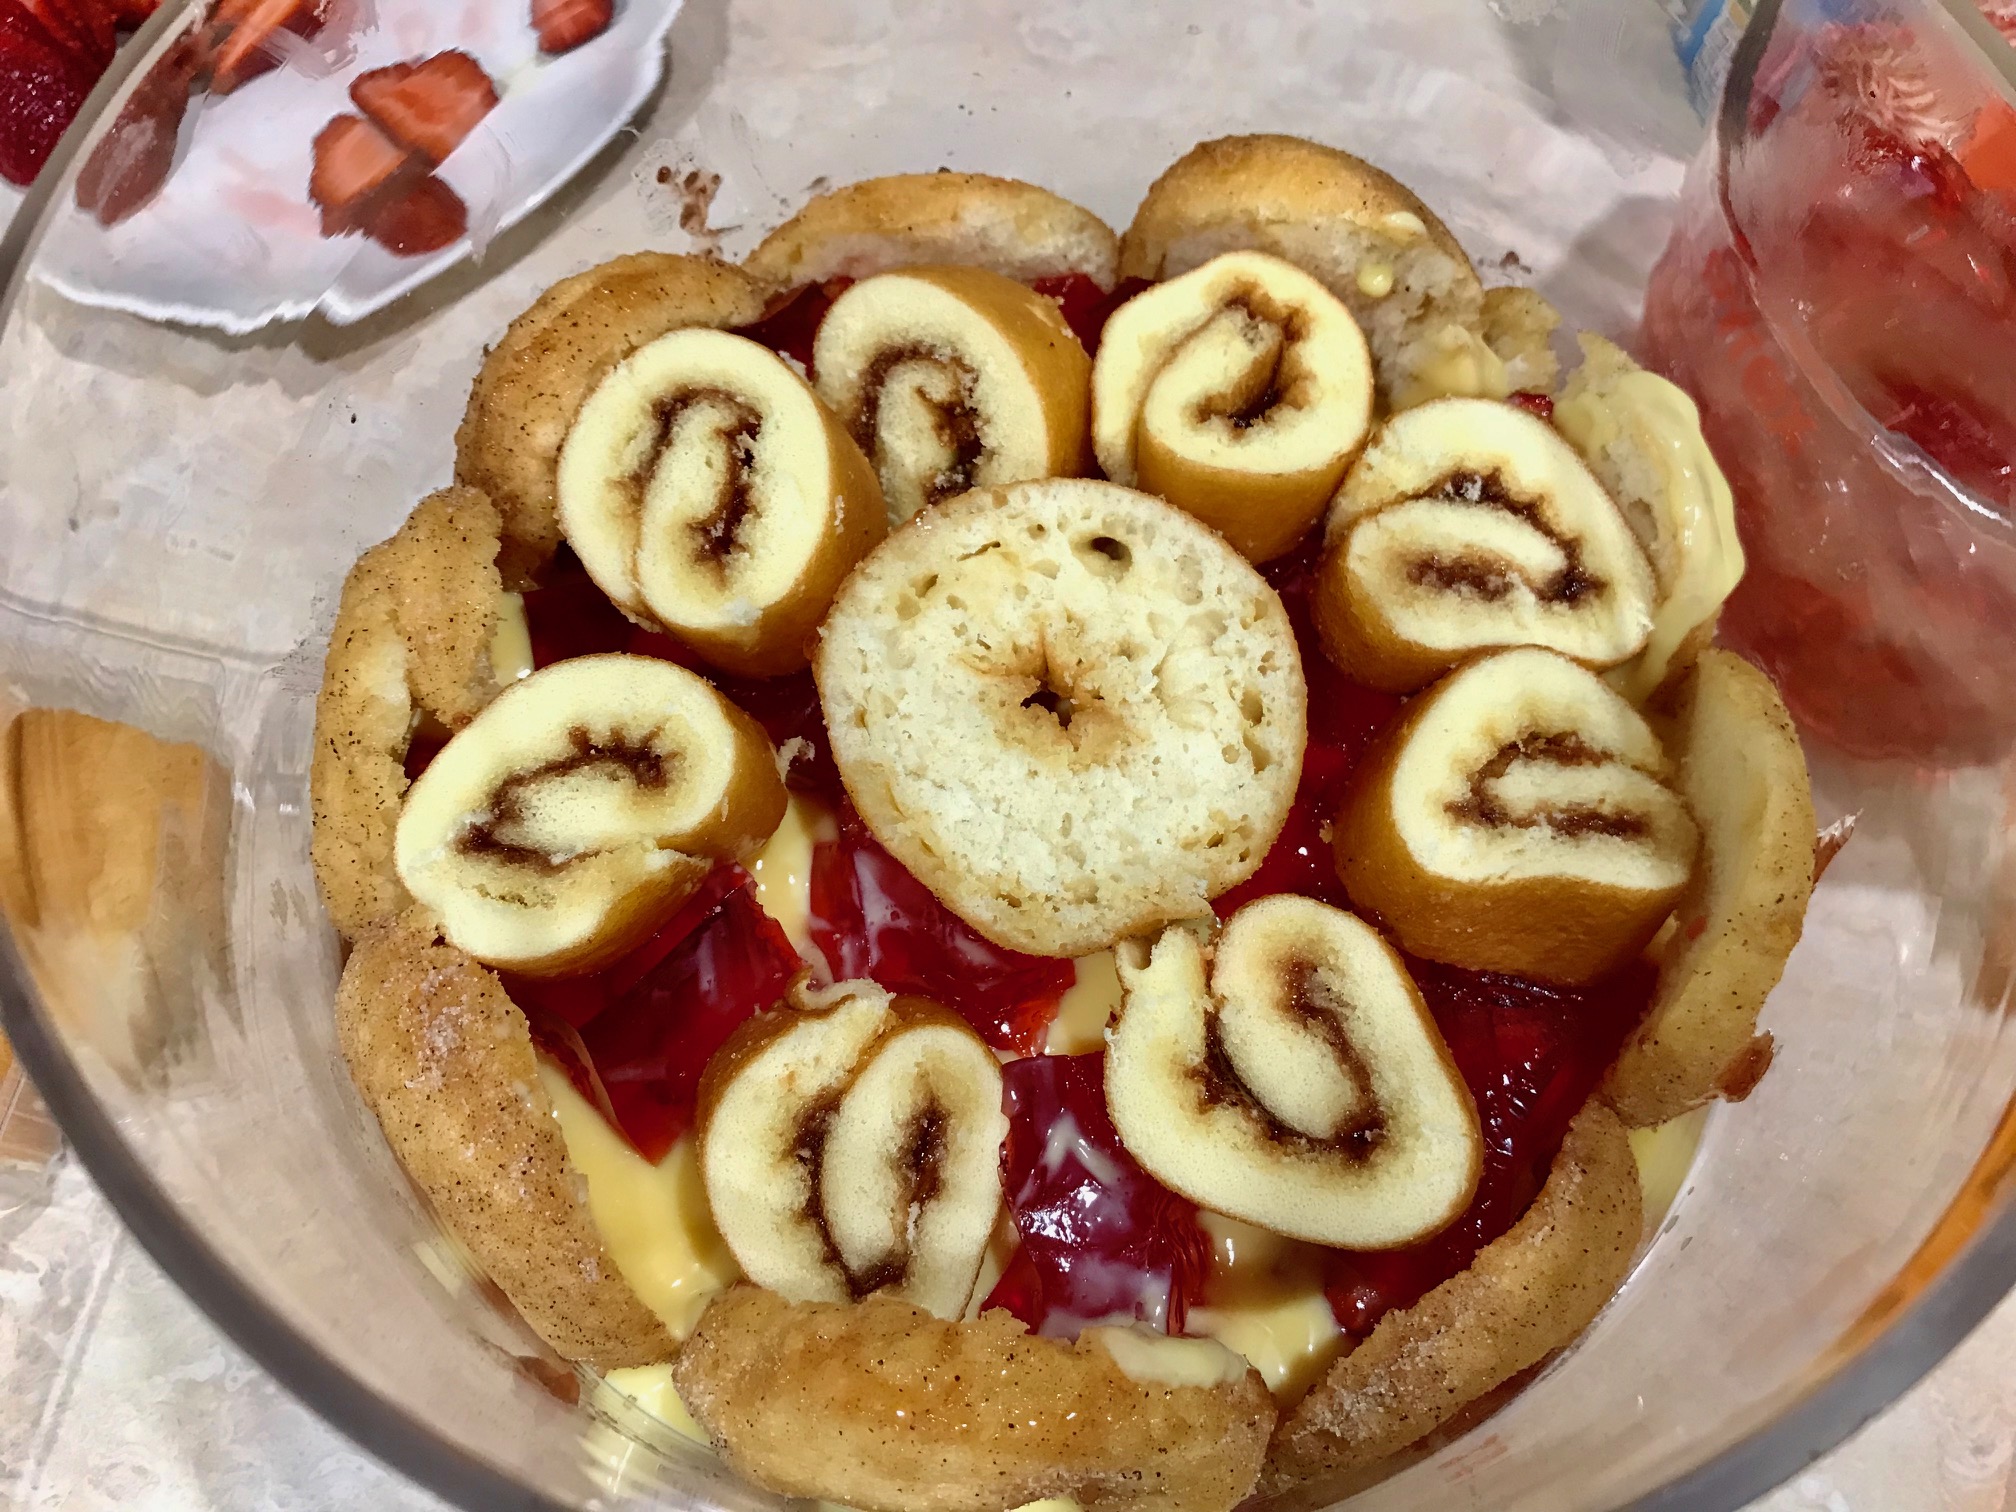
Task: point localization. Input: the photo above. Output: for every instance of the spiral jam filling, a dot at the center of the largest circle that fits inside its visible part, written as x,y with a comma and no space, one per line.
1274,377
649,769
1313,1006
939,387
1493,580
737,429
1486,807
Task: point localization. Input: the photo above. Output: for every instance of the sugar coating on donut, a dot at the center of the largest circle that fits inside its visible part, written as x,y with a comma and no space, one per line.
444,1058
1528,1293
905,219
1071,710
883,1407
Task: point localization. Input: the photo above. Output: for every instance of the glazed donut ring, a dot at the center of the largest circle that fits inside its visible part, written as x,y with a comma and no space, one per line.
1069,709
1359,231
1528,1293
972,219
533,381
1742,772
444,1059
412,637
881,1406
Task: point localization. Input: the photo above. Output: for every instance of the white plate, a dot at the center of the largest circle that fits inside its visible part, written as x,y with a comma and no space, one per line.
232,240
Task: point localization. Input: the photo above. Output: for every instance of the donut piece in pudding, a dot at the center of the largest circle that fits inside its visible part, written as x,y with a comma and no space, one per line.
415,639
1299,1086
911,219
953,378
1071,710
712,496
1521,817
533,381
1239,391
881,1406
1470,525
567,821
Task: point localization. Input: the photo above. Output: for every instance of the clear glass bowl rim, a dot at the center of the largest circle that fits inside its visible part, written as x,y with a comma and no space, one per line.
1878,1359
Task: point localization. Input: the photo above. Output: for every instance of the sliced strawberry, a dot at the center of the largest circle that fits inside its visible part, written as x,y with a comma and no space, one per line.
128,168
564,25
242,34
42,86
130,12
80,28
429,106
356,165
424,218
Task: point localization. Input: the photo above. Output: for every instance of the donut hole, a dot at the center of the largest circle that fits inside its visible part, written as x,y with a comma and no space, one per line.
1057,705
1104,555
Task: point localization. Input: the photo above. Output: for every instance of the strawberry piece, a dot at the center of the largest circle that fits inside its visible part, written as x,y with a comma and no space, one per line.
429,106
356,165
1101,1238
564,25
42,87
80,28
128,168
130,13
242,33
424,218
871,918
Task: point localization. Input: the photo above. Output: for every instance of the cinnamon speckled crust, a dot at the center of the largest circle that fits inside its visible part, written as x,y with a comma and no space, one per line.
412,636
908,219
1744,775
881,1406
1527,1294
444,1058
534,380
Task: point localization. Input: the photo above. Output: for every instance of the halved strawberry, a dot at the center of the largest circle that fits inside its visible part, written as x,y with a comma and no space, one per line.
356,166
564,25
429,106
131,164
42,86
80,28
424,218
242,33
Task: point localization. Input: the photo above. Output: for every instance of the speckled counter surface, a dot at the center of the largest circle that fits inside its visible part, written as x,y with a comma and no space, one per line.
120,1397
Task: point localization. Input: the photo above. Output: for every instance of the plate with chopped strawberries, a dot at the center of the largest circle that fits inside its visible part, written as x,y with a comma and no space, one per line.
284,158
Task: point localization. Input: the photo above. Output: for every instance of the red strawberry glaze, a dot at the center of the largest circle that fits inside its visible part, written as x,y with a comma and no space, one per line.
871,918
1344,719
1101,1239
1084,304
650,1023
789,326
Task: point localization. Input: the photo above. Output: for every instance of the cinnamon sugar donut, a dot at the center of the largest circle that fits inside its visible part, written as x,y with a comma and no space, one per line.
883,1407
412,639
1528,1293
906,219
443,1058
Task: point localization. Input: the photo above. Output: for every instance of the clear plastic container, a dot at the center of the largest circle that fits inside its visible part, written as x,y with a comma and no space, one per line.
180,507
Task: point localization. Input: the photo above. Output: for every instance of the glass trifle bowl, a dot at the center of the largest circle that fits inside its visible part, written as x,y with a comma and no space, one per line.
186,484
